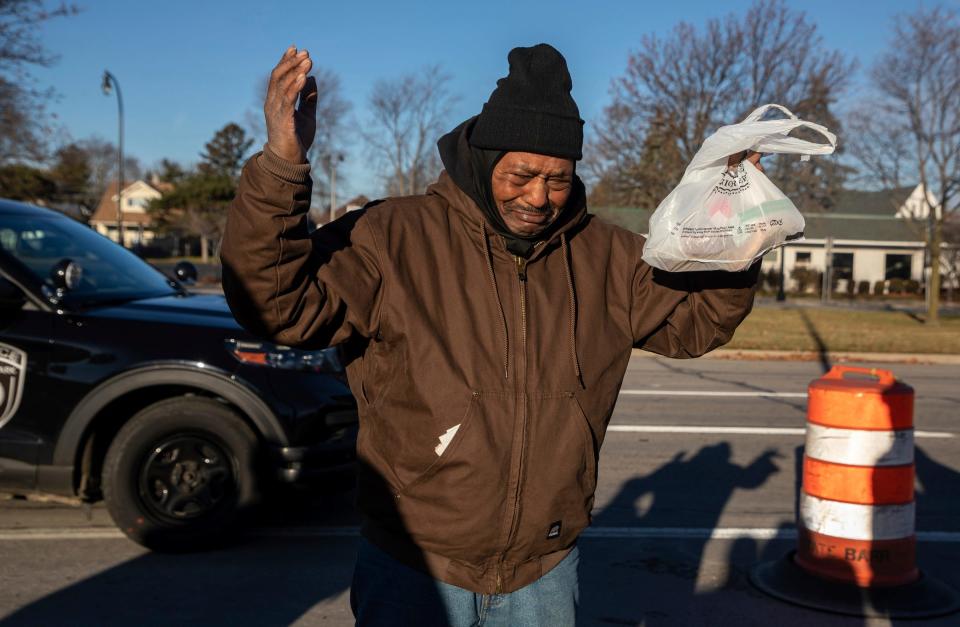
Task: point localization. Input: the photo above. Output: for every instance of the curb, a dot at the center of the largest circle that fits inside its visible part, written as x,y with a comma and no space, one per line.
734,354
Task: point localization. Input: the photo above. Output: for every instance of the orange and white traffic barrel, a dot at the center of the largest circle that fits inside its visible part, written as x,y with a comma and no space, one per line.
856,522
856,551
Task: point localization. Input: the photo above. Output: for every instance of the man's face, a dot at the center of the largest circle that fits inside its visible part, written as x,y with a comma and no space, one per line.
530,190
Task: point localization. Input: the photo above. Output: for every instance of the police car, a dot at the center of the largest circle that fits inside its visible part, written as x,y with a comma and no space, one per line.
118,383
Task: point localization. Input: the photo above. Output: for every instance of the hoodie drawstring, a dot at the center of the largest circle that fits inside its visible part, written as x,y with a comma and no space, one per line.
496,297
572,298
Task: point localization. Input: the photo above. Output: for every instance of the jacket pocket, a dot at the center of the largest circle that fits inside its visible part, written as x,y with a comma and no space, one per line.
449,450
454,506
560,476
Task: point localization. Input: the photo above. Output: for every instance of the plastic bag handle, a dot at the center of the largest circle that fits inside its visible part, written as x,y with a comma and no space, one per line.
757,113
830,137
885,376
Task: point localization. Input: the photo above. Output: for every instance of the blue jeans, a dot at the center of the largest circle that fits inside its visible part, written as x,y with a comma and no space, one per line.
387,592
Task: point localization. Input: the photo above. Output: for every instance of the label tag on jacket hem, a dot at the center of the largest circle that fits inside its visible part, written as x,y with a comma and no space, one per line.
554,530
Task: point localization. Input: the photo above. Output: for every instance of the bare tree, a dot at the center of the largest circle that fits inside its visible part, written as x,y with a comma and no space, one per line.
102,160
23,130
910,131
683,87
644,168
951,255
408,116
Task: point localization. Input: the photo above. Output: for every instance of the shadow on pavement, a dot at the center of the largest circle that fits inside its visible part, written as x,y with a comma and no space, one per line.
675,366
938,487
266,580
255,583
688,492
823,351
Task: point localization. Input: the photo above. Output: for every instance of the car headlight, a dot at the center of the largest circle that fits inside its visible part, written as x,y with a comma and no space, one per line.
283,357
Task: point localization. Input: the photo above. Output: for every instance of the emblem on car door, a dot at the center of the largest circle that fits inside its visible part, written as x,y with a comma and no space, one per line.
13,362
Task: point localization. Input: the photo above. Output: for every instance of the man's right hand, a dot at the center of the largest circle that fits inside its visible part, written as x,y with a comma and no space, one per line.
291,126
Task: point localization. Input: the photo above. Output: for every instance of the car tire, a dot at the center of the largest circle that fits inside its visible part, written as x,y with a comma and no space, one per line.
179,474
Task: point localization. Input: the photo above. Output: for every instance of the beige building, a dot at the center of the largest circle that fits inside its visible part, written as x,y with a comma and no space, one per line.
136,221
870,236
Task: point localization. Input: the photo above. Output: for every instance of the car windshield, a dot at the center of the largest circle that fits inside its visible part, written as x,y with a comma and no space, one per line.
109,273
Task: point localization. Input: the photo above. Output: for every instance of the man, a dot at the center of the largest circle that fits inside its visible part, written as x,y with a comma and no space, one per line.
491,320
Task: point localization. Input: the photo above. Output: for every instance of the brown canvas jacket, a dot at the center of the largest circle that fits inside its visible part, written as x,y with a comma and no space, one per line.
516,366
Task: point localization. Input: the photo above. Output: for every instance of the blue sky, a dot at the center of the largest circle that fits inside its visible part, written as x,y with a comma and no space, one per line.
187,68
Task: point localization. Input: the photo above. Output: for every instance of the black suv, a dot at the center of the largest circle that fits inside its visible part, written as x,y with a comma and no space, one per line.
118,383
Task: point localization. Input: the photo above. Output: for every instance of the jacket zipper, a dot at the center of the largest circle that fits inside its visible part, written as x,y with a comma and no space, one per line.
521,381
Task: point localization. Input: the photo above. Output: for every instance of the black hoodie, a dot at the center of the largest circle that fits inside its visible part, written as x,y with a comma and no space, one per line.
471,168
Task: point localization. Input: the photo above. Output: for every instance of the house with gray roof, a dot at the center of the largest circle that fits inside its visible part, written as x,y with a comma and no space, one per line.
872,236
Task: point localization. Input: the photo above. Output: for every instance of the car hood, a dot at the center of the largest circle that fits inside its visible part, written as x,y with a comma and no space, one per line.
209,310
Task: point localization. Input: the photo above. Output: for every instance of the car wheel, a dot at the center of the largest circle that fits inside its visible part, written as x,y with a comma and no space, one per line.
179,472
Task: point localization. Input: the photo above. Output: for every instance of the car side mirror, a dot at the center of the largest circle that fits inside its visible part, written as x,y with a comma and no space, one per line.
66,275
11,296
185,272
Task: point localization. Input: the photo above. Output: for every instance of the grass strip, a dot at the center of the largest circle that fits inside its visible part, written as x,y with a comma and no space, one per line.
843,330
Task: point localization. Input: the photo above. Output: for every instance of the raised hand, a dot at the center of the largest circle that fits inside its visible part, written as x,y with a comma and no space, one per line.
290,108
749,155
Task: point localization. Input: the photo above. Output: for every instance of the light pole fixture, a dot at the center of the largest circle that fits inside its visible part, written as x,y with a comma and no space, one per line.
109,83
332,160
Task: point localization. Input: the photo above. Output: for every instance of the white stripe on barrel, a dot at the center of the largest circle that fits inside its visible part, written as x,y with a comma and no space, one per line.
855,447
856,522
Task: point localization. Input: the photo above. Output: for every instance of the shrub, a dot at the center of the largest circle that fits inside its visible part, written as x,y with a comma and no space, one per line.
896,286
772,279
863,288
851,287
878,288
805,277
911,286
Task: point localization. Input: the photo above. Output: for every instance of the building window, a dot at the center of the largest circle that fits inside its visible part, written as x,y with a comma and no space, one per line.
898,267
843,265
803,257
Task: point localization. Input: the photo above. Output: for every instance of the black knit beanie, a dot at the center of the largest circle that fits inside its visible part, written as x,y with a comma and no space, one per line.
531,110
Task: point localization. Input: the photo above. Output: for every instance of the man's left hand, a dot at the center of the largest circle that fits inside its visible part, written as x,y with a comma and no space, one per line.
749,155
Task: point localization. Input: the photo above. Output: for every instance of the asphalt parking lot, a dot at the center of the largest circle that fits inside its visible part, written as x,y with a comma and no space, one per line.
698,483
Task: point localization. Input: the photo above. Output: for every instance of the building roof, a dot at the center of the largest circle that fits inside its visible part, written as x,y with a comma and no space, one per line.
106,210
884,202
630,218
858,215
852,226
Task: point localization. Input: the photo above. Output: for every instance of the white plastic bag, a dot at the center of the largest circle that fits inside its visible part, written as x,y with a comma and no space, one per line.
723,219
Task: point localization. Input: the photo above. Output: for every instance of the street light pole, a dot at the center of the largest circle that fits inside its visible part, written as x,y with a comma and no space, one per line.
333,159
781,294
110,82
333,190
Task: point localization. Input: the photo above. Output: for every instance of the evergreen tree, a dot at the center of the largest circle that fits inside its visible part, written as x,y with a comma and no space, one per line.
72,173
22,182
225,153
198,202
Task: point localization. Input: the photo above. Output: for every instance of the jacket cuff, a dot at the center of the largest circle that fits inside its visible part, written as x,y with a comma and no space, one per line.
297,173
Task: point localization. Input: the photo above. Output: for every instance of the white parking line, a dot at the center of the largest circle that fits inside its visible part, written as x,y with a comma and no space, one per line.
731,533
743,430
713,393
61,534
622,533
